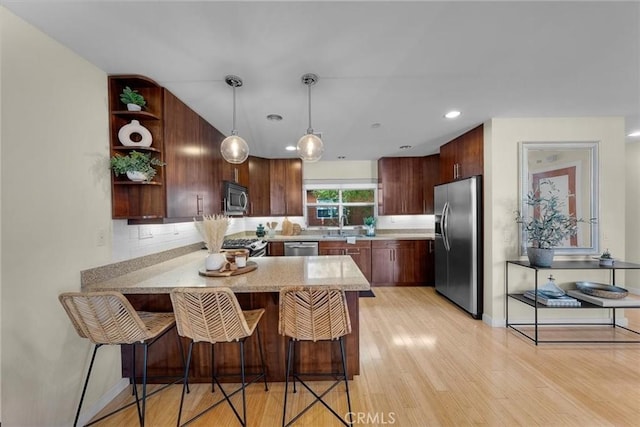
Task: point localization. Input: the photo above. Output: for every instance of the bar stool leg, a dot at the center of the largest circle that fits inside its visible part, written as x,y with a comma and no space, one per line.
346,379
244,384
86,382
286,383
184,381
264,369
213,367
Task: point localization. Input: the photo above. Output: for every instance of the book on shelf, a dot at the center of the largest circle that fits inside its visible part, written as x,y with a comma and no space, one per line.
561,301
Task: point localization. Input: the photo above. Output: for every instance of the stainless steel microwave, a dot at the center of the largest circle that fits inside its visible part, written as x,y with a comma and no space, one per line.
236,198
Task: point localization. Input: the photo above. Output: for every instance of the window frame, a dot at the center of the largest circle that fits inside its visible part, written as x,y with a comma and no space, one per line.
339,187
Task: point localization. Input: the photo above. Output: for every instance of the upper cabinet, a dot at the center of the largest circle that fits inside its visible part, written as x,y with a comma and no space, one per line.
406,185
463,156
259,191
190,183
430,177
132,130
191,153
285,185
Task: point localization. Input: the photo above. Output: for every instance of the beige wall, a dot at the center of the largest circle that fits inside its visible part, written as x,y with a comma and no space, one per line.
324,170
55,198
632,231
501,192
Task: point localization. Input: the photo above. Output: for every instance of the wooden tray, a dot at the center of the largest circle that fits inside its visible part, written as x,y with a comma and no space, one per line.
251,265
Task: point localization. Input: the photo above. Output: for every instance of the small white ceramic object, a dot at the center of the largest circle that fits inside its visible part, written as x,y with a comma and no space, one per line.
125,132
241,261
215,261
134,107
136,176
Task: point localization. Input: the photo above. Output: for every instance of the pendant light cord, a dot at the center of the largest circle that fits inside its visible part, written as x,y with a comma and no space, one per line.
234,131
310,129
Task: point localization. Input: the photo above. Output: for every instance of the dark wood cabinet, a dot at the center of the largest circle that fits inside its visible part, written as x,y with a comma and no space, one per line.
190,183
398,262
259,182
405,185
285,187
275,249
463,156
137,199
430,177
191,147
430,264
360,252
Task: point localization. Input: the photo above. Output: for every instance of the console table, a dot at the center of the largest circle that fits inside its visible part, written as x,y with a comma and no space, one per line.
567,265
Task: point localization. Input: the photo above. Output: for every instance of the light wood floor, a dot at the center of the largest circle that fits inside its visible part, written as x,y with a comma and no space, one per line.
426,363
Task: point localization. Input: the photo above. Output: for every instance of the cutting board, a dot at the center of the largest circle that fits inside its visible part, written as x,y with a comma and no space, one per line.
287,228
251,265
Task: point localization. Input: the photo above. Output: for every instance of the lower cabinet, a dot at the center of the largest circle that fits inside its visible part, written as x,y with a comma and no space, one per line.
398,262
275,249
430,264
360,252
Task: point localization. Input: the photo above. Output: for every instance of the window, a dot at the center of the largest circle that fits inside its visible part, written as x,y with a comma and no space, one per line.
325,204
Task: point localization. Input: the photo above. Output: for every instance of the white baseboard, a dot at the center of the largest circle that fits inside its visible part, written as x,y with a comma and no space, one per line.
104,400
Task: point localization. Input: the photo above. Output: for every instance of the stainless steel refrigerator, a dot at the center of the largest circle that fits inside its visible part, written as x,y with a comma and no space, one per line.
458,243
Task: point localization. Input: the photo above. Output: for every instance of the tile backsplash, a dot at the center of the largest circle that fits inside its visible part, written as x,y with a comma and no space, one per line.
132,241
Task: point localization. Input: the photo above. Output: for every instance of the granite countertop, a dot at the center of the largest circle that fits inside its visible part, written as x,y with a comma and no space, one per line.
321,237
271,275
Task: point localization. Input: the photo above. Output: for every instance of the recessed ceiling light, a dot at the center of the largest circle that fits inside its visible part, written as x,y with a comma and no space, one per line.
290,148
274,117
634,134
375,125
452,114
405,147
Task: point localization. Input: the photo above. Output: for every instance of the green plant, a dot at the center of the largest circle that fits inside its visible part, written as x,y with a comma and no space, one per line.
549,225
369,220
130,96
606,254
135,162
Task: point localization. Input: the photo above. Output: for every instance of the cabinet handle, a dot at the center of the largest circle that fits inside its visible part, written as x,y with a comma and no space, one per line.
350,252
199,199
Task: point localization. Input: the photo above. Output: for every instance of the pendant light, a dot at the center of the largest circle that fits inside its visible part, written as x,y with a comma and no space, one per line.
310,146
234,149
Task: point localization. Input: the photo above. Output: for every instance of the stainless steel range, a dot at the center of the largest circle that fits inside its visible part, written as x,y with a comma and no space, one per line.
257,247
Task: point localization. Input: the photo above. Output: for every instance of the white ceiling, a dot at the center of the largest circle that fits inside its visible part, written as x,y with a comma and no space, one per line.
400,64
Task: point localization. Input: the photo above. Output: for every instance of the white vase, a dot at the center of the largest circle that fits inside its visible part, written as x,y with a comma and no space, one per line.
125,132
134,107
215,261
136,176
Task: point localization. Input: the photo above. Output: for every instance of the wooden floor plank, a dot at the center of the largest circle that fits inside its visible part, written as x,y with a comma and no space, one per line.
425,362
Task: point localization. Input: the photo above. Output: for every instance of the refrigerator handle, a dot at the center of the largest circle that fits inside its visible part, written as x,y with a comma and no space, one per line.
445,226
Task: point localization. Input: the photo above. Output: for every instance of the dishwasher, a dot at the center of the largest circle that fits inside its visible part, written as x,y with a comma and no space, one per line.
300,248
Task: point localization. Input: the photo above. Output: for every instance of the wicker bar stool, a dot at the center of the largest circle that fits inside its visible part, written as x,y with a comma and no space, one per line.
107,318
213,315
314,314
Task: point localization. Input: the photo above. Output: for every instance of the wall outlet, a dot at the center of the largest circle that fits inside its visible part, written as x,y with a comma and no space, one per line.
144,233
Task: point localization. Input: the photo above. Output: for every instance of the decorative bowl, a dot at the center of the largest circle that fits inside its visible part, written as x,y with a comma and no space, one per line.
601,290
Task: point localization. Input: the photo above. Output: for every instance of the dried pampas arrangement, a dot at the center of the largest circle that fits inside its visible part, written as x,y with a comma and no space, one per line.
212,228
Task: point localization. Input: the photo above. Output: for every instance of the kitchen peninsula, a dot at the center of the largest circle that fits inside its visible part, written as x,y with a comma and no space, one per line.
148,289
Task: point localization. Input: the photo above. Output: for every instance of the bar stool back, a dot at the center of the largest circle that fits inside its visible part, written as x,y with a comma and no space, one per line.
213,315
107,318
314,314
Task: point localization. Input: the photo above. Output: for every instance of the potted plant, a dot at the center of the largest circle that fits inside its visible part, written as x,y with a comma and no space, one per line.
137,166
606,259
370,225
549,226
133,99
